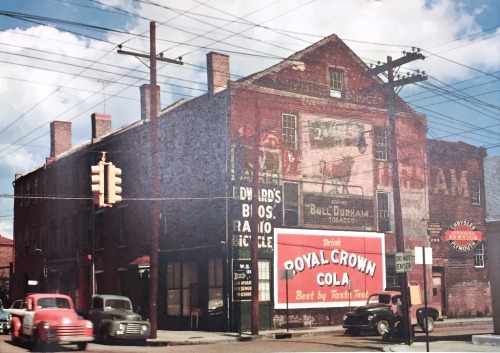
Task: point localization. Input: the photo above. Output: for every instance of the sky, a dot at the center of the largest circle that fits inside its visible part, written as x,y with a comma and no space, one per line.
59,61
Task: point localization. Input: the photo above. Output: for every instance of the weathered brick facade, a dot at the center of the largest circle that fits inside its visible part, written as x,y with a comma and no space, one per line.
288,135
454,171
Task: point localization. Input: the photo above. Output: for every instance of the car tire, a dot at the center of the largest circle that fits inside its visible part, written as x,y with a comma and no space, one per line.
430,324
354,331
37,344
382,327
104,336
13,338
81,346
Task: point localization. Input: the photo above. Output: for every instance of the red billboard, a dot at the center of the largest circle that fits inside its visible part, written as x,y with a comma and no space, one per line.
330,268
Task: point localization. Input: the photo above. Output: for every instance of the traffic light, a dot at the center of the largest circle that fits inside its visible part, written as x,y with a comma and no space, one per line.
113,185
97,172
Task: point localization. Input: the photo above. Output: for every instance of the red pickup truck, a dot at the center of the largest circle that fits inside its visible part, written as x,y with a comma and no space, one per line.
50,318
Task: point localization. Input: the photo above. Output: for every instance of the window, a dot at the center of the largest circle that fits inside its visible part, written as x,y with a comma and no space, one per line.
174,289
383,211
291,204
123,234
289,131
336,83
380,144
264,281
479,255
391,276
28,193
182,288
475,192
35,190
215,284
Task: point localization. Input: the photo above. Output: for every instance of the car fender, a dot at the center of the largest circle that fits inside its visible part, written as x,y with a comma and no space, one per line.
432,312
15,326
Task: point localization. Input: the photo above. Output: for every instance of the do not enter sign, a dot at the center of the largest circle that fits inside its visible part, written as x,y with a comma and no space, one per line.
403,262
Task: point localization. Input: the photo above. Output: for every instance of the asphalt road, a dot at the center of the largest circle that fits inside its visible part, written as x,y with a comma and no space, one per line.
335,342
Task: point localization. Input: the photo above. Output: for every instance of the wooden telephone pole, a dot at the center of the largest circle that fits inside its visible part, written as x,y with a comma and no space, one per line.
393,157
153,260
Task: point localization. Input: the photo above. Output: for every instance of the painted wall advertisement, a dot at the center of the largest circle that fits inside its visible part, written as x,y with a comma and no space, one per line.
331,268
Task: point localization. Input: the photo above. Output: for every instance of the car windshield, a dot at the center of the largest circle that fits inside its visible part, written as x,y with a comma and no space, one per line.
53,303
119,304
379,298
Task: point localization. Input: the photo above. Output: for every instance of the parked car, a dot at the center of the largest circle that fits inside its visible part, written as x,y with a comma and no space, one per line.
114,318
5,318
378,313
50,318
17,307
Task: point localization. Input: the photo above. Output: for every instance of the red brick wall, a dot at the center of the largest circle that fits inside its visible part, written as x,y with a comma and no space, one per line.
452,166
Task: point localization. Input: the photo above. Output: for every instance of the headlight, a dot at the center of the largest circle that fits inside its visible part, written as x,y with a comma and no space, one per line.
89,324
345,317
46,325
144,327
122,326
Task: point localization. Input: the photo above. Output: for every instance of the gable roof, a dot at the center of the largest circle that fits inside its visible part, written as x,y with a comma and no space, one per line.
6,241
298,56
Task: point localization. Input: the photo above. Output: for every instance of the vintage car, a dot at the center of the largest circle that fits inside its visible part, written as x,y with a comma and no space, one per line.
113,318
5,318
378,314
17,307
50,318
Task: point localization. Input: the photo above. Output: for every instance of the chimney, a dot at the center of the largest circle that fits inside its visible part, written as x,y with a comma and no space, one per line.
145,101
60,138
217,72
101,125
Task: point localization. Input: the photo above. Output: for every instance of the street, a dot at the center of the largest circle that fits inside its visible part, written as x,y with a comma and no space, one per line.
334,342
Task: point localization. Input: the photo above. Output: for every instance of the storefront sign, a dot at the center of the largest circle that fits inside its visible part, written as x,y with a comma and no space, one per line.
242,280
463,236
331,268
269,211
348,212
434,230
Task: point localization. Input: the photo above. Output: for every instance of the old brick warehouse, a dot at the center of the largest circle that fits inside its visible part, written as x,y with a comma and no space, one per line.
278,155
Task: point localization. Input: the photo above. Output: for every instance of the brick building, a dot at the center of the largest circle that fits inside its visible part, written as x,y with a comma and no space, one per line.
457,203
492,187
6,261
289,135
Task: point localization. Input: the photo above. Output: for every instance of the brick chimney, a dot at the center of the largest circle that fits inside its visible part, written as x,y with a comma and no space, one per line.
101,125
145,101
217,72
60,137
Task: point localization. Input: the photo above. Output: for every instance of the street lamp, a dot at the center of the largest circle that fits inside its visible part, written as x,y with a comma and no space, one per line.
362,145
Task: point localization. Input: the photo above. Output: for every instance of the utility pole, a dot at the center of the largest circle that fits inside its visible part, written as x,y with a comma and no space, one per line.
255,224
153,258
393,156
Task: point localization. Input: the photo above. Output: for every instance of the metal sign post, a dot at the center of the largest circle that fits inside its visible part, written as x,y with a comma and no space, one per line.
286,274
423,255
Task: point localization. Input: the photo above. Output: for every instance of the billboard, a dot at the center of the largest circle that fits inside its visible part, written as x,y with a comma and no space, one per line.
330,268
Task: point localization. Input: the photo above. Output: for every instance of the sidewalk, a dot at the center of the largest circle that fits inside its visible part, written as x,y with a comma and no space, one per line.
172,338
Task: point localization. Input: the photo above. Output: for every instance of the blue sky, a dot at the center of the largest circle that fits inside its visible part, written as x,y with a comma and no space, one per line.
58,60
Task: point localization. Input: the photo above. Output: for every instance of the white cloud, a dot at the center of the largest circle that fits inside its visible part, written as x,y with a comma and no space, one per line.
30,99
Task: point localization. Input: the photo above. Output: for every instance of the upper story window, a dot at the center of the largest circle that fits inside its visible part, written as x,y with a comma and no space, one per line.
291,204
383,211
479,255
380,136
475,189
289,129
336,83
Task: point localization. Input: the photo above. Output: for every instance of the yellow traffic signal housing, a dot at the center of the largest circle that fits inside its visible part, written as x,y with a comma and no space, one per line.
97,187
113,184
